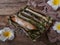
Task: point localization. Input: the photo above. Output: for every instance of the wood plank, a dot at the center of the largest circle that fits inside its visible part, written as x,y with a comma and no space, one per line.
12,1
9,7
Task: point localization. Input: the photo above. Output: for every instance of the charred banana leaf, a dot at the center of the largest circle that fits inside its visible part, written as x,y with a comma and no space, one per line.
33,23
22,23
32,34
40,20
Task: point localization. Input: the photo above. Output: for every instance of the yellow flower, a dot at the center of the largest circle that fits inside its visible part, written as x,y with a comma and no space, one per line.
6,33
57,27
54,4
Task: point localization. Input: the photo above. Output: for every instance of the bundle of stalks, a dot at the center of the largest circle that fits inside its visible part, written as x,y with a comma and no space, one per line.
33,23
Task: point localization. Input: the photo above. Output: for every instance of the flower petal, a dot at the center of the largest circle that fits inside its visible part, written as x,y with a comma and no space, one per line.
55,7
54,27
50,3
11,37
6,29
1,31
58,31
2,38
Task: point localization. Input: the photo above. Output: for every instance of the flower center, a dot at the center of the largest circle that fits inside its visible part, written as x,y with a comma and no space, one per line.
58,26
56,2
6,34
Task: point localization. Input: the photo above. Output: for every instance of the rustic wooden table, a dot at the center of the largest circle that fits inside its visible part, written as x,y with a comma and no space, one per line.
10,7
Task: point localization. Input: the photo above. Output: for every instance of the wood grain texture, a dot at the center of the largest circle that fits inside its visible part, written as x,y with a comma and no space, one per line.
20,37
8,7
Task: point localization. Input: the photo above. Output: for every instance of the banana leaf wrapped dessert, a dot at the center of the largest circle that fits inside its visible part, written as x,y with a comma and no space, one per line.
33,23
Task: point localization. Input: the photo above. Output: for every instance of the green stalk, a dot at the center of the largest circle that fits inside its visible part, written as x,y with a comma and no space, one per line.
32,21
33,34
36,14
29,15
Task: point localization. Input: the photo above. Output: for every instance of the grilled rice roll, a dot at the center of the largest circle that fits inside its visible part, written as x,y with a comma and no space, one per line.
23,23
32,22
40,20
32,34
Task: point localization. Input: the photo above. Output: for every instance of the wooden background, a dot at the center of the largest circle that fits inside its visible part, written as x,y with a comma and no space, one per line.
10,7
